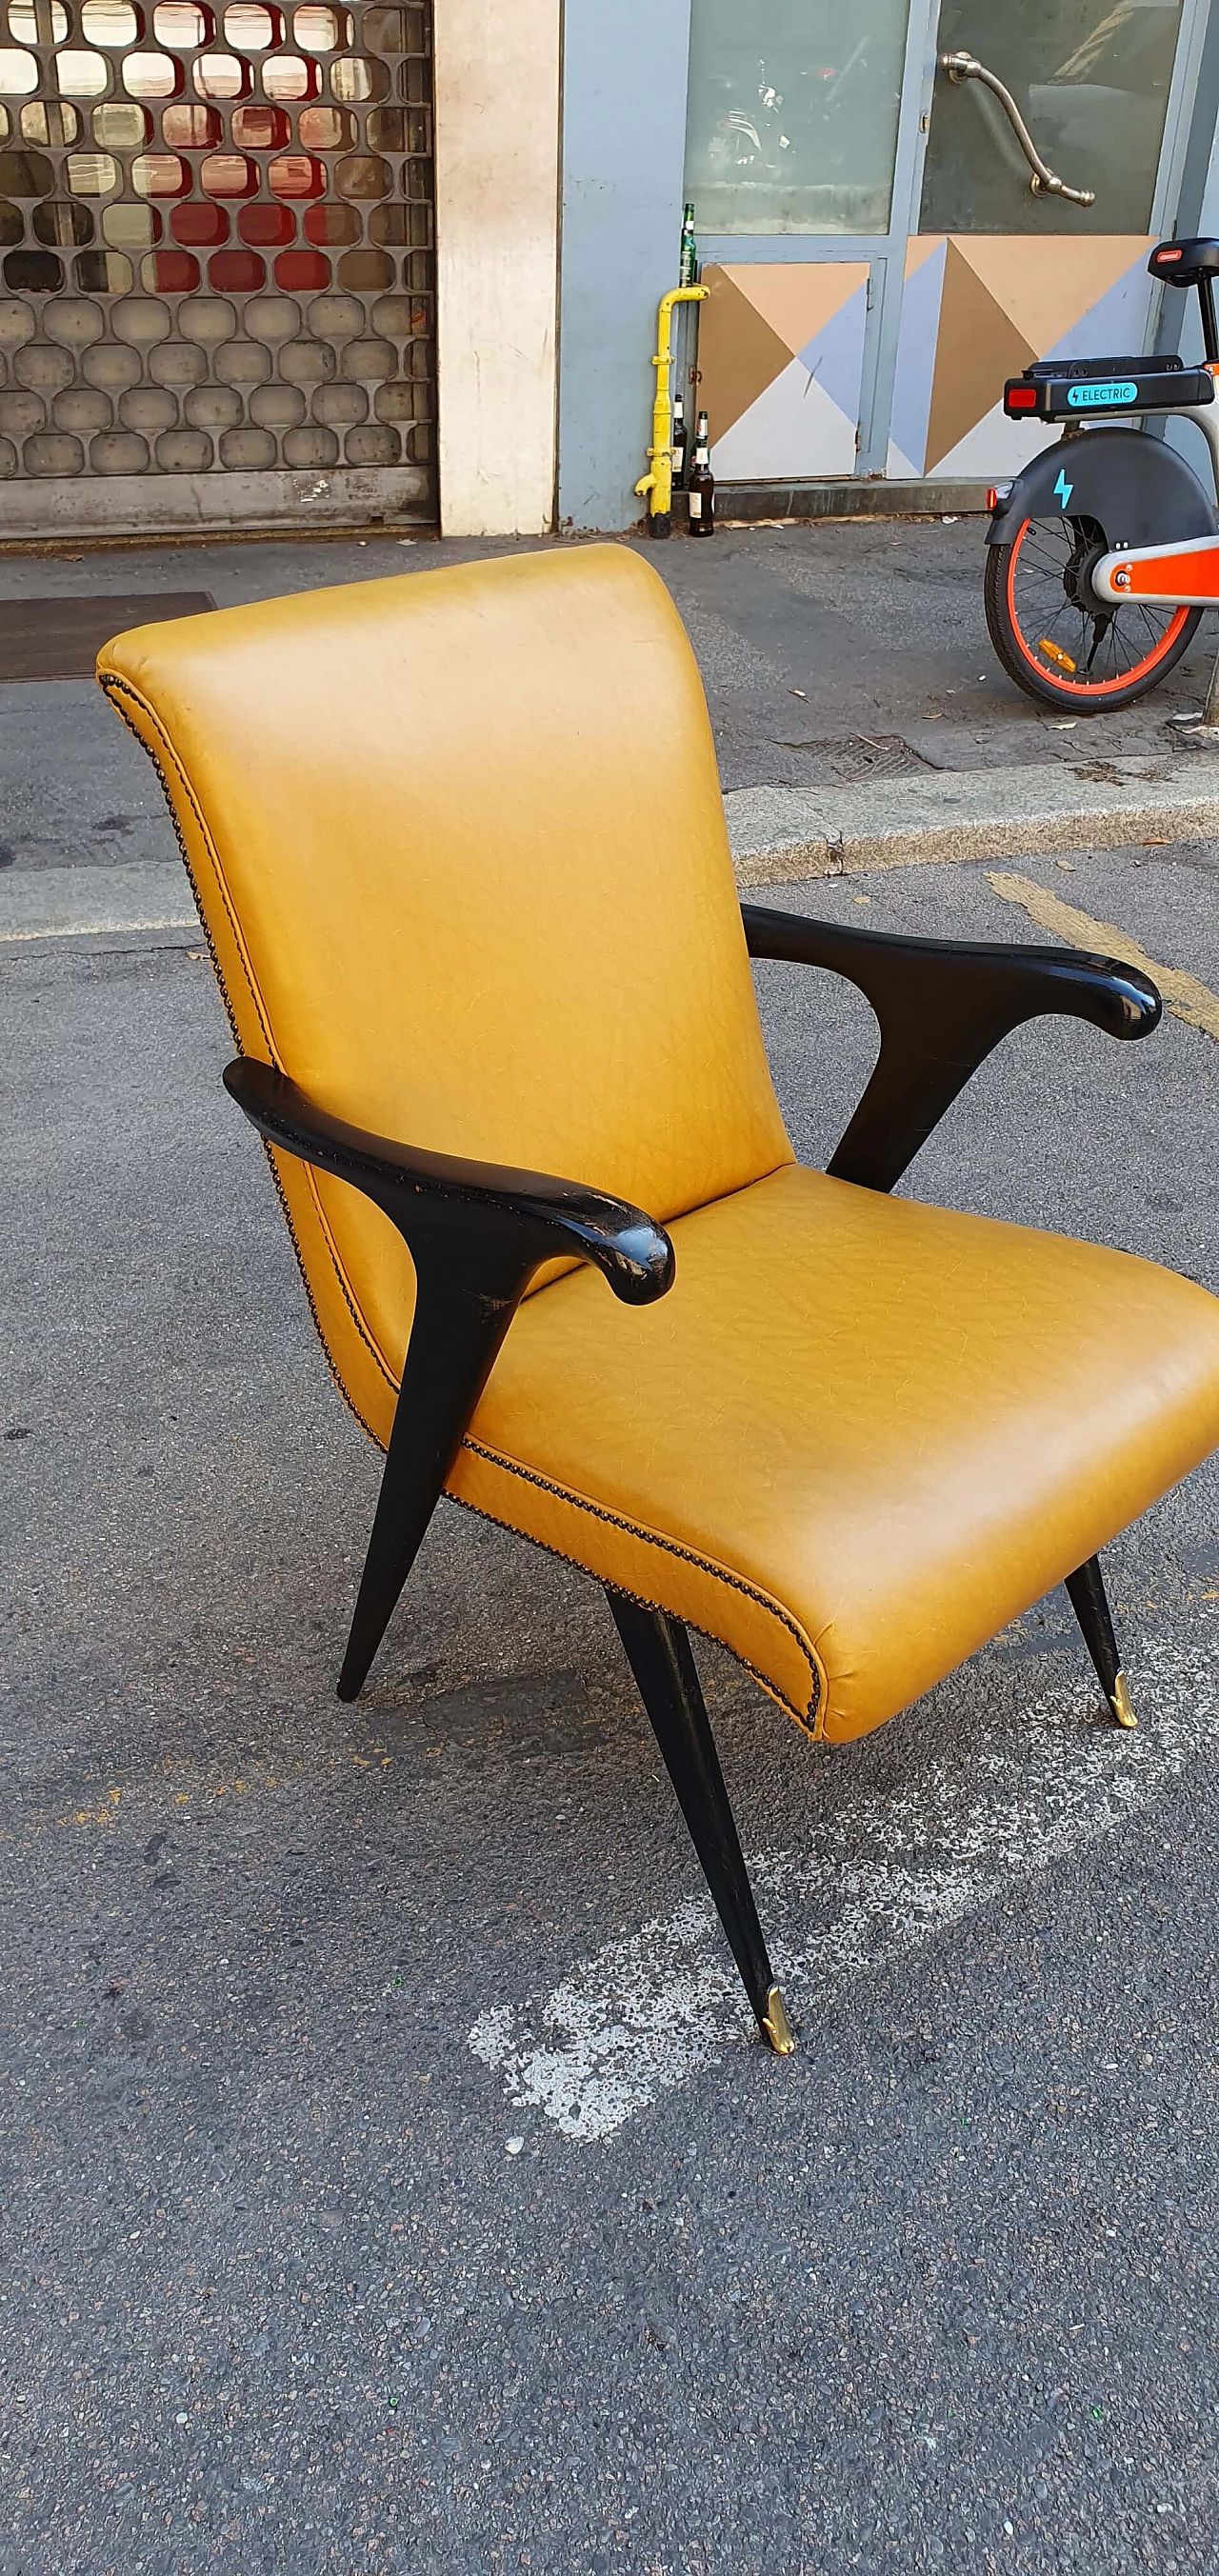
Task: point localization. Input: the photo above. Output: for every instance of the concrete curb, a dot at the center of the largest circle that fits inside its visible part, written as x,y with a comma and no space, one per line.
777,504
778,835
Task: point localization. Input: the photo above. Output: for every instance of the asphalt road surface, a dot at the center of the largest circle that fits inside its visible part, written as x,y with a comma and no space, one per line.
828,652
390,2179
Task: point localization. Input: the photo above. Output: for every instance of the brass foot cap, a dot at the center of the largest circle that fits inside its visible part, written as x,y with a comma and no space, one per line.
1121,1702
776,2025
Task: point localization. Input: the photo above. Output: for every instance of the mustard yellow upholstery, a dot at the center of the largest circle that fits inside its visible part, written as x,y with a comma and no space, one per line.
459,846
860,1435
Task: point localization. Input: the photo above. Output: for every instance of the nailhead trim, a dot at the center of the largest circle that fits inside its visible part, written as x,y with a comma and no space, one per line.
116,690
670,1547
545,1548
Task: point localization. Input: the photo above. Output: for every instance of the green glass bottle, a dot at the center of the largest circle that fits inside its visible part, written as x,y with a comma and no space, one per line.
687,274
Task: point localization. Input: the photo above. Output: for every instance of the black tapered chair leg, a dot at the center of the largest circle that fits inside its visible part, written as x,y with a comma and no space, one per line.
658,1652
1087,1595
454,1340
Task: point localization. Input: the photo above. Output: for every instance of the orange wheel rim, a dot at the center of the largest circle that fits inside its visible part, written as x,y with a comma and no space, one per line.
1084,688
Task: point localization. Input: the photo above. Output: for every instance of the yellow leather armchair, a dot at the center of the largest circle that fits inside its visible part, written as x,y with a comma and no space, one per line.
458,845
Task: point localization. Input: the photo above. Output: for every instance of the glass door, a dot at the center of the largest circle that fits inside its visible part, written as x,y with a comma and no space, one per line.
1002,269
1092,83
796,111
792,115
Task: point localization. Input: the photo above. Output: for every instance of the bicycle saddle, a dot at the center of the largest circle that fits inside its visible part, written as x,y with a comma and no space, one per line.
1183,263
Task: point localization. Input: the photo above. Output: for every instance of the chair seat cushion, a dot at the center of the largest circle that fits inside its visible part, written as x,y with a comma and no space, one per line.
857,1437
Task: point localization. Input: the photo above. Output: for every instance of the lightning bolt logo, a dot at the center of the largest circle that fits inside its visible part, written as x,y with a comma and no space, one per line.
1063,489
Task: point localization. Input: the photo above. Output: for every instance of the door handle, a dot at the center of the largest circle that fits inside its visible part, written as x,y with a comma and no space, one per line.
964,67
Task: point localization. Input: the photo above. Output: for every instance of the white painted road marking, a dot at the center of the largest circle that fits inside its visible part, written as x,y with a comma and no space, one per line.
76,903
103,928
881,1875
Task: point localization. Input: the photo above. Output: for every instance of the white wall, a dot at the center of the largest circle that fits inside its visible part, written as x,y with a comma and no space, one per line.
497,246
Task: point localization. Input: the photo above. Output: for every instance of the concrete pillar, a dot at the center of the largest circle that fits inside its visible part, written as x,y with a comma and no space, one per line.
497,251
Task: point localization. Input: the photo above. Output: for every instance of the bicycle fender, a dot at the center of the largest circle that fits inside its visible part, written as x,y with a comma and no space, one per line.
1140,490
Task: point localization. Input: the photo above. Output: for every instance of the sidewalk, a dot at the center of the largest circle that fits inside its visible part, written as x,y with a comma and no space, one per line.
860,717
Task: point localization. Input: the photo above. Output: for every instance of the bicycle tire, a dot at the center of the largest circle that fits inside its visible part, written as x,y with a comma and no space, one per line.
1023,659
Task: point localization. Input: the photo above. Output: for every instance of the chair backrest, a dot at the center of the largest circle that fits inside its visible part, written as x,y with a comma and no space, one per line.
459,847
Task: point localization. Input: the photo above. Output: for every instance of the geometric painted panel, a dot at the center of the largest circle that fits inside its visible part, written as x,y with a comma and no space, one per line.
977,308
780,358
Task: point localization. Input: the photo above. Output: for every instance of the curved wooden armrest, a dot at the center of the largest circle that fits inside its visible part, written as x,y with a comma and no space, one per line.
476,1233
943,1005
543,1216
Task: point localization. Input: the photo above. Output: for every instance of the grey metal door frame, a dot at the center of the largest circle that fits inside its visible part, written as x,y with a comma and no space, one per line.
1188,129
1192,103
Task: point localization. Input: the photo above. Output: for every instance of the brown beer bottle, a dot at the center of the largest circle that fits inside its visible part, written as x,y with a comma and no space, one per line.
681,438
700,485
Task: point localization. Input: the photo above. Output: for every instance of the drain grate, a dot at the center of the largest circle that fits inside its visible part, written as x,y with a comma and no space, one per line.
60,639
857,755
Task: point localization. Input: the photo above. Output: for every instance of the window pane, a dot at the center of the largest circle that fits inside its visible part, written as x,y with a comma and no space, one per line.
120,128
23,21
792,121
109,22
179,22
49,121
220,76
289,76
150,75
320,30
250,28
82,75
1091,82
18,72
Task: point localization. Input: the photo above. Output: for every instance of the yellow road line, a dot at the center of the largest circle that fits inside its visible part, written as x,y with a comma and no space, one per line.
1187,999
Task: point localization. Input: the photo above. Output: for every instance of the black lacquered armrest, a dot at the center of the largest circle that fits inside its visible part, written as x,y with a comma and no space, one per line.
942,1006
546,1217
476,1233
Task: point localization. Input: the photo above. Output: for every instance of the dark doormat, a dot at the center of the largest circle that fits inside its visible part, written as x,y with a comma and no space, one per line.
60,639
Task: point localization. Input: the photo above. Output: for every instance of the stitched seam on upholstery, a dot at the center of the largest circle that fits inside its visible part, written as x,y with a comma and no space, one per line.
349,1297
115,689
652,1538
331,1363
724,1197
721,1198
547,1548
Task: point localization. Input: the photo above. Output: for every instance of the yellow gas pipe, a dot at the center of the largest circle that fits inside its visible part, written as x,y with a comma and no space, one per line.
658,485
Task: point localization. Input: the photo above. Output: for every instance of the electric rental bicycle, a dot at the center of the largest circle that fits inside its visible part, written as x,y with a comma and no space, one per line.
1103,553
